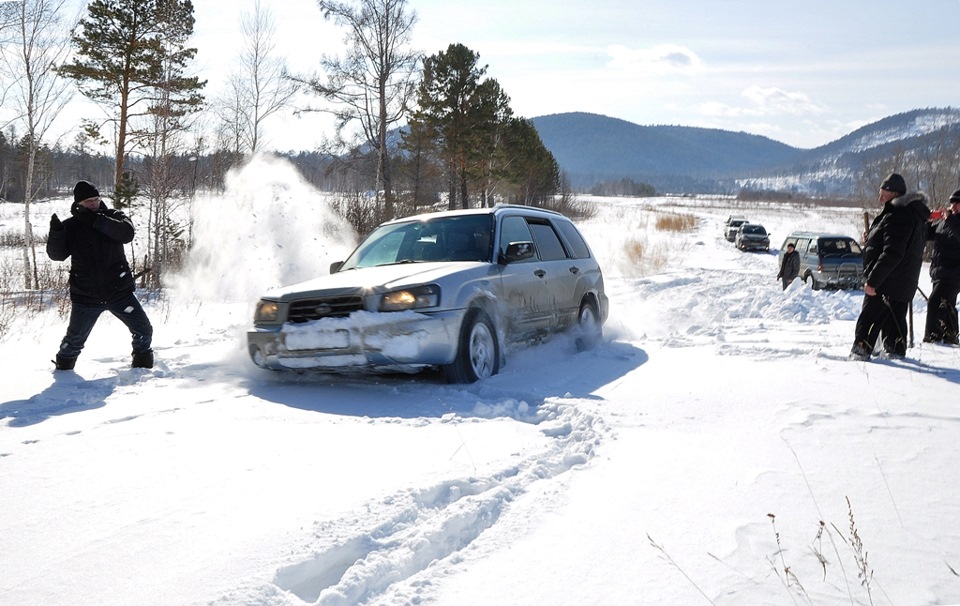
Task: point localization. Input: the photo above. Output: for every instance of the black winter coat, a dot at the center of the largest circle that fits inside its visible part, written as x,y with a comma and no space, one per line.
893,252
945,261
790,266
99,271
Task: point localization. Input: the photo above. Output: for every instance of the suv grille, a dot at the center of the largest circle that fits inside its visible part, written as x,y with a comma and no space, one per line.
328,307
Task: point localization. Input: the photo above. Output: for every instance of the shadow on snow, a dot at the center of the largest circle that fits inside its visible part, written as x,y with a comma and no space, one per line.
531,376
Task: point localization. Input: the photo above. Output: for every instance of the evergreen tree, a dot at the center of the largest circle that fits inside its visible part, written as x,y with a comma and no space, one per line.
452,108
530,167
130,57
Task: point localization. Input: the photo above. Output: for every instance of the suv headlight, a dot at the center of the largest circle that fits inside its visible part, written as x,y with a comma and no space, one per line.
267,312
418,297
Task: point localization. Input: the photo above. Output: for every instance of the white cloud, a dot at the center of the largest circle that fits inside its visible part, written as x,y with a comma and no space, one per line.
769,101
661,58
772,101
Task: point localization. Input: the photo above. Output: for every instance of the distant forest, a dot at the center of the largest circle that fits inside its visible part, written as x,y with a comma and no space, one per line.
59,169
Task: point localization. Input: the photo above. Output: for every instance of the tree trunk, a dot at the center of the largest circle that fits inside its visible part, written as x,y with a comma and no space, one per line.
121,144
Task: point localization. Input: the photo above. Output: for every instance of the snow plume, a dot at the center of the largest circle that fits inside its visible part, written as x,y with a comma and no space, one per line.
268,228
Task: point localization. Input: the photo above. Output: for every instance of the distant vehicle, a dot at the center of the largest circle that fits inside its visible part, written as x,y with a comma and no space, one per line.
827,260
752,236
732,225
448,290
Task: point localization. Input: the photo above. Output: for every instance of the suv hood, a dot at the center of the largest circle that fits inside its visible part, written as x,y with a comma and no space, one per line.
380,278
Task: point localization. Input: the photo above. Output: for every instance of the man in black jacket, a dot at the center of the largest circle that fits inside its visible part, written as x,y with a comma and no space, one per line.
892,256
100,278
789,266
941,322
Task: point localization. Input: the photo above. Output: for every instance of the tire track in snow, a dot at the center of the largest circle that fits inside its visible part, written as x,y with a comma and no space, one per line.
426,525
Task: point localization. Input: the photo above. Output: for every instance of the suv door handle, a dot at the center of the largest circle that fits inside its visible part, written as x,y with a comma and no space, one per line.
574,269
539,273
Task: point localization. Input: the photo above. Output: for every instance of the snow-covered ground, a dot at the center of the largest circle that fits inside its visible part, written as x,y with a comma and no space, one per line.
717,447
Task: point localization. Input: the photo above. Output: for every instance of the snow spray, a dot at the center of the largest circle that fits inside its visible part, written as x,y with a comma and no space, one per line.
268,228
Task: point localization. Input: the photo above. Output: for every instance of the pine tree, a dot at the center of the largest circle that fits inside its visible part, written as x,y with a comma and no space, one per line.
131,58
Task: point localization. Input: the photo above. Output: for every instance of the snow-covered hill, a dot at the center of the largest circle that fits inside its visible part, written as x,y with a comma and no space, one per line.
677,159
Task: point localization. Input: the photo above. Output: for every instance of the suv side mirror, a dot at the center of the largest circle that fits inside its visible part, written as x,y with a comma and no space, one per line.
335,266
517,251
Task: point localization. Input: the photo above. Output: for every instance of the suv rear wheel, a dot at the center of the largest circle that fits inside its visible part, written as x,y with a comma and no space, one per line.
589,330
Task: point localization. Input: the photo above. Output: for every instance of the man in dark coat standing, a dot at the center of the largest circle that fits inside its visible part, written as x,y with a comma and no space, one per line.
892,256
100,278
941,325
789,266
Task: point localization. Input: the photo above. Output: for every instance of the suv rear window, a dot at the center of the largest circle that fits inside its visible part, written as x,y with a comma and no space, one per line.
838,246
548,243
574,239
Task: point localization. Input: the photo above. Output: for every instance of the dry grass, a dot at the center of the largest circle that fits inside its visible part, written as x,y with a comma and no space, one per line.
16,302
645,259
678,222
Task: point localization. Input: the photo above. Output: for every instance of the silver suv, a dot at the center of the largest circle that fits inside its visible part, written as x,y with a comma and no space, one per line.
451,290
827,260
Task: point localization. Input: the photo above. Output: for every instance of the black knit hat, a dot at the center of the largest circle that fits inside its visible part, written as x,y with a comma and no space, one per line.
894,183
955,196
83,190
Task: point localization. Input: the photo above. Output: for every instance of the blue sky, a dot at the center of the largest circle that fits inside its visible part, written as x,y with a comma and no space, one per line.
801,72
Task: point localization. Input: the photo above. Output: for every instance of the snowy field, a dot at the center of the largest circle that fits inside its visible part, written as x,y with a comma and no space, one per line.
717,447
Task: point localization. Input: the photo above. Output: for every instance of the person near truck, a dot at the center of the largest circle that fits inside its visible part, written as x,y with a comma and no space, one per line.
892,256
789,266
941,323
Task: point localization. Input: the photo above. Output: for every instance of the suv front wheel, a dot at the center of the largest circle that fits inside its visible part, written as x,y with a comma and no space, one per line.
478,351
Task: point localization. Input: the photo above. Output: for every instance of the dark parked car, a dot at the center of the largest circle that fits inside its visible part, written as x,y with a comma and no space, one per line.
827,260
752,236
451,290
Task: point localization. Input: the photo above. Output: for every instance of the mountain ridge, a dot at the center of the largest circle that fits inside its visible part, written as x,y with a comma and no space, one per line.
592,148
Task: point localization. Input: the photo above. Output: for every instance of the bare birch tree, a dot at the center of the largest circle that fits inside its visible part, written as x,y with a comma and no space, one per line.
258,87
374,81
39,41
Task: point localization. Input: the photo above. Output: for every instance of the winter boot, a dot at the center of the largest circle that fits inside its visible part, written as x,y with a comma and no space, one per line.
64,363
143,359
860,352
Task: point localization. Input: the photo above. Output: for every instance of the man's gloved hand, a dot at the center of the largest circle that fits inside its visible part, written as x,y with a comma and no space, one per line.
55,223
86,217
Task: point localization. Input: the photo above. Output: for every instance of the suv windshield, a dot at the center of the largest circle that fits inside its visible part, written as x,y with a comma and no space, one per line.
462,238
754,229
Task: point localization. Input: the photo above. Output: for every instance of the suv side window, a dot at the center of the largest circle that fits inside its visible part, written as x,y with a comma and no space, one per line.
802,245
548,243
578,247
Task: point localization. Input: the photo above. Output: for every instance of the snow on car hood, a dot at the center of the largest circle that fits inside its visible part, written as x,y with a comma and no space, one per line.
383,277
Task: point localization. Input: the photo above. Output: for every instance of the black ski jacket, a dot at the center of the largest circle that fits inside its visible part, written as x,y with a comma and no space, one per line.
893,252
945,260
99,271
